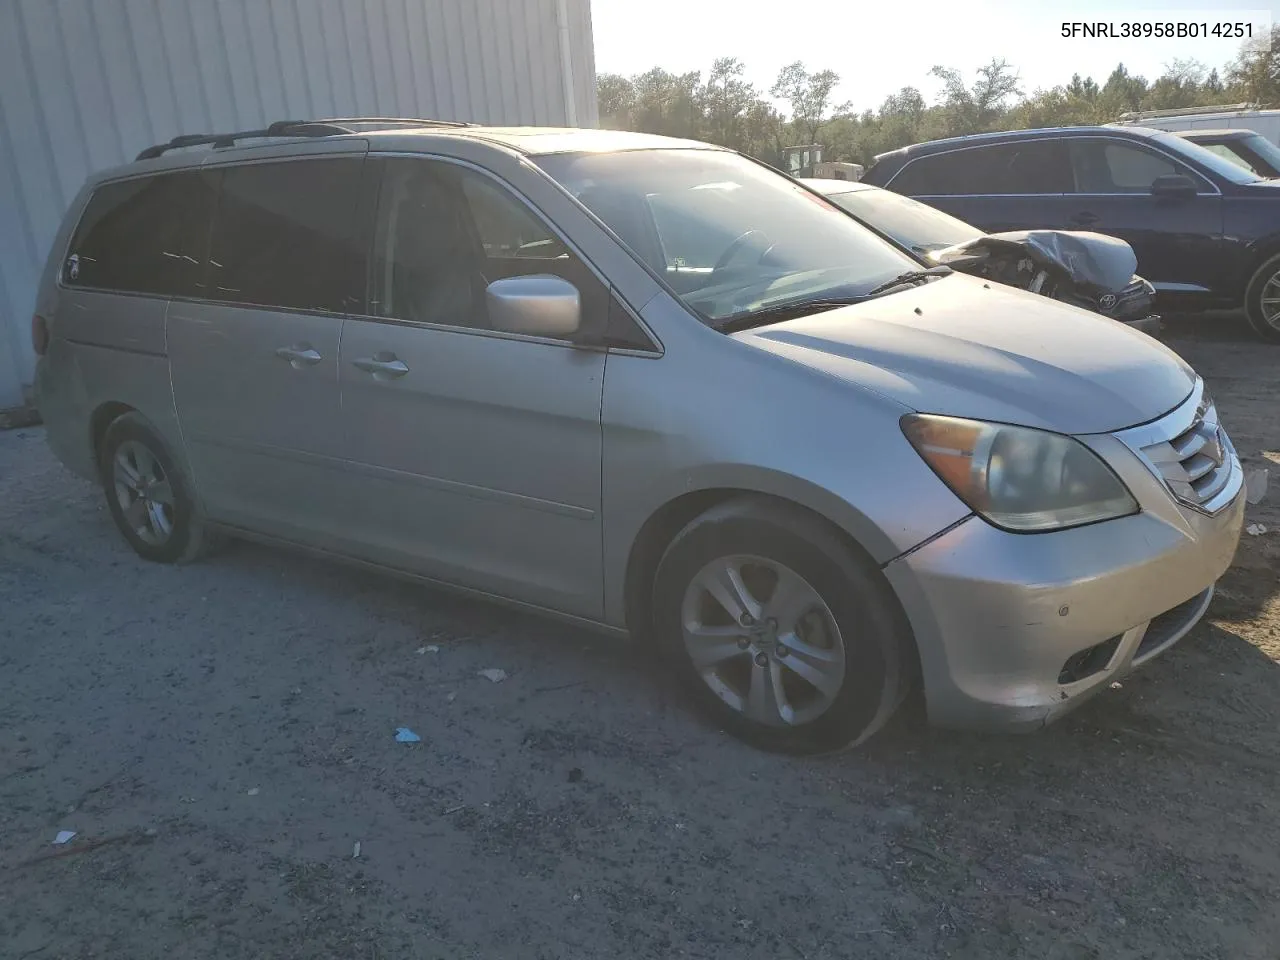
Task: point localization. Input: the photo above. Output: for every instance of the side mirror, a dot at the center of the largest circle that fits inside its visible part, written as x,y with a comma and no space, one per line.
1173,185
540,306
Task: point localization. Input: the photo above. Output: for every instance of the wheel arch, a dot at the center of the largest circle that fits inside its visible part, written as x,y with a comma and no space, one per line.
100,421
662,526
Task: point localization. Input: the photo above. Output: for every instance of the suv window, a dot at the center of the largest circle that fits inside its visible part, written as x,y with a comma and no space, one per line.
288,234
146,235
443,233
1020,166
1114,166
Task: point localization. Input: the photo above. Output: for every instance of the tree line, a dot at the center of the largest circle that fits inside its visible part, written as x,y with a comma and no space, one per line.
727,109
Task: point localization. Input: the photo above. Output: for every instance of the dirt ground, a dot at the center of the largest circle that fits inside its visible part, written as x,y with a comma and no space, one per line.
225,734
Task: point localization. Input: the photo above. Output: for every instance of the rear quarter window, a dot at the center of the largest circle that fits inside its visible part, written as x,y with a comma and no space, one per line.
145,235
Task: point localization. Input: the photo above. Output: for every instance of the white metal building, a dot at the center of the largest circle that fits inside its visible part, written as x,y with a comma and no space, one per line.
86,84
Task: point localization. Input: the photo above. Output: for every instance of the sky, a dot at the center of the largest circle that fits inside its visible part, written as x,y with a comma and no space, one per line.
879,47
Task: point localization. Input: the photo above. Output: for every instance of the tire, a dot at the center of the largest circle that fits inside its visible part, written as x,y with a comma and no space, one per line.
861,668
136,467
1264,285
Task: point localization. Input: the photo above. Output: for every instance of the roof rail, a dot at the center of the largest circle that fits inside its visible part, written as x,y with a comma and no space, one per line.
398,121
1186,111
288,128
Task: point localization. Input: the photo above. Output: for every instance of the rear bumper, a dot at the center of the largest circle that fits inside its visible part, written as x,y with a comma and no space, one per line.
65,421
1015,630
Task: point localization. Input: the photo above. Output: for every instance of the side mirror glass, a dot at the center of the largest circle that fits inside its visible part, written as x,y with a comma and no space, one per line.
539,306
1173,185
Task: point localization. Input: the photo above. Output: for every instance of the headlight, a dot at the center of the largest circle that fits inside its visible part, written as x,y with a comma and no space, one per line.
1017,478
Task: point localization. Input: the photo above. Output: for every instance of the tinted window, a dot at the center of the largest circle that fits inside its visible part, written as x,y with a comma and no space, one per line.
288,235
443,233
1114,166
1021,166
148,235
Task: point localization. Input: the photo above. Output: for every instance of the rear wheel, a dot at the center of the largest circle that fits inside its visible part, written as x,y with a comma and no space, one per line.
1262,301
148,494
779,631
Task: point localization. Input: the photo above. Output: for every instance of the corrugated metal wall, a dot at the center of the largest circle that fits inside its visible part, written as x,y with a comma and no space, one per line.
86,84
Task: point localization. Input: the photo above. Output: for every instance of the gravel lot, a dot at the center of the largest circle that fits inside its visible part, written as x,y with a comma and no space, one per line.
226,732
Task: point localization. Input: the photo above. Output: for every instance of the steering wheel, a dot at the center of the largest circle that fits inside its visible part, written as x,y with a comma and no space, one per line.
739,242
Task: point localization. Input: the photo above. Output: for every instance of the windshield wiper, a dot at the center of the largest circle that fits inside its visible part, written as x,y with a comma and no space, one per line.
903,279
777,312
781,311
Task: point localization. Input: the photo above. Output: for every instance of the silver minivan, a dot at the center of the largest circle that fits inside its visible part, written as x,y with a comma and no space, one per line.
647,385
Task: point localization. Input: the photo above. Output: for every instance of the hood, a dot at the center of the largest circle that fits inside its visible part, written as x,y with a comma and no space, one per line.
1096,263
961,347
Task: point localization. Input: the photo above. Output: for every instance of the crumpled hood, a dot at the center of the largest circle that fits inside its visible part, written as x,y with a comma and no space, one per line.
959,347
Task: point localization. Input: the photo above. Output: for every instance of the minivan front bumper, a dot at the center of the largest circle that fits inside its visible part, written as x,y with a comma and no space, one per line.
1013,630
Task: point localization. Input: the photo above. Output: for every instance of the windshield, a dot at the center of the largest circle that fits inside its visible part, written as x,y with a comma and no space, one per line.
729,236
913,224
1258,154
1223,167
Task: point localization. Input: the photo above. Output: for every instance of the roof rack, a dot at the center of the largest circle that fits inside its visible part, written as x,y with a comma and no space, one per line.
289,128
1187,111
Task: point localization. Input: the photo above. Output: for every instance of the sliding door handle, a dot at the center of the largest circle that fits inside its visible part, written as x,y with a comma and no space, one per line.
382,369
299,356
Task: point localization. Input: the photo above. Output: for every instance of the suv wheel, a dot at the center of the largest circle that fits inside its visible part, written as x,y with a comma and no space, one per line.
780,633
147,493
1262,301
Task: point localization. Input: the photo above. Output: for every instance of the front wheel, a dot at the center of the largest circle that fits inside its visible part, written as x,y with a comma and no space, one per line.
780,632
1262,301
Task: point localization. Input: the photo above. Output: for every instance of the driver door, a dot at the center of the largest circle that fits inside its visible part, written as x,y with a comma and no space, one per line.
478,451
1178,240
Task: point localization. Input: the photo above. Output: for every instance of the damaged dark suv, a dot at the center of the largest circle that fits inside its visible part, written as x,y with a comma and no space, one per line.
1205,229
1088,270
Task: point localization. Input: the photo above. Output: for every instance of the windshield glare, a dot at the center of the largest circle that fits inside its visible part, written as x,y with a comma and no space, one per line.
1223,167
729,236
1264,149
915,225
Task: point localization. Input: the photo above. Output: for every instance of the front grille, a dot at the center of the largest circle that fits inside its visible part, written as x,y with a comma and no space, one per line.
1169,625
1196,464
1133,301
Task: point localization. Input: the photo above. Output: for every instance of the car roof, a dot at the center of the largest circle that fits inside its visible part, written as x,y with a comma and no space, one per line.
544,140
1227,133
1009,136
830,185
392,134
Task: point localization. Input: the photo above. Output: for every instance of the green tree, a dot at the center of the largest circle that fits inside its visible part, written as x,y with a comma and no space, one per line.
667,103
808,94
617,96
1254,75
726,100
1122,93
972,109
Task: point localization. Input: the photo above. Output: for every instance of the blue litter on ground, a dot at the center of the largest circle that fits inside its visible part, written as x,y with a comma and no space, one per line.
405,735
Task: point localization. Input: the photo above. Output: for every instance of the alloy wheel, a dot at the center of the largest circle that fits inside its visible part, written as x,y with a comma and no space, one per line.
762,638
1270,300
144,493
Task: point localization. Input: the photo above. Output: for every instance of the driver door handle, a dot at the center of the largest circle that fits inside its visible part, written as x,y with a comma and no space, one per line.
1085,218
385,369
